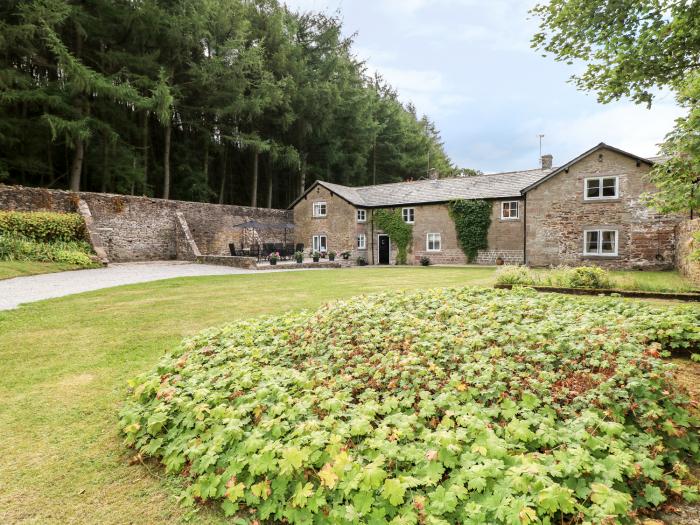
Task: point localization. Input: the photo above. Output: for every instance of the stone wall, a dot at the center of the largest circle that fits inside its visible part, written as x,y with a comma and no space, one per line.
557,216
505,238
141,228
340,224
686,244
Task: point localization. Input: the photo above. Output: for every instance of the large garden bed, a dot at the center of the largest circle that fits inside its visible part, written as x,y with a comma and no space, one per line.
449,406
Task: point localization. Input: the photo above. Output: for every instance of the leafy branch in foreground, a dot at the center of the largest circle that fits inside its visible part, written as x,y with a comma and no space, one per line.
462,406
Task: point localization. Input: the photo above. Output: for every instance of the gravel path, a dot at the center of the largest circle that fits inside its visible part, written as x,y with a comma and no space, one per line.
14,292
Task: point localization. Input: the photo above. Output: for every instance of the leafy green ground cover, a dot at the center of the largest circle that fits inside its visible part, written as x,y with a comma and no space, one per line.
448,406
65,364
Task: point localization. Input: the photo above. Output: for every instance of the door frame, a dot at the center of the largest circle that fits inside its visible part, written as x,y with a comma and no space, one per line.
379,248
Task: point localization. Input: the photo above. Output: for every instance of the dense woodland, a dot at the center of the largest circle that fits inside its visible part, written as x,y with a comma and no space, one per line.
229,101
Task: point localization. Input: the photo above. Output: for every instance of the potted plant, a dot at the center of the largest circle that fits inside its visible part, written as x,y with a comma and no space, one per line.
499,261
273,258
425,261
299,257
315,256
331,256
361,261
345,255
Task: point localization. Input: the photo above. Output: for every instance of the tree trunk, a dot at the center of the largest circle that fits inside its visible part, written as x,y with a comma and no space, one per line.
374,162
144,145
222,188
302,181
254,196
105,166
269,186
77,164
206,162
166,161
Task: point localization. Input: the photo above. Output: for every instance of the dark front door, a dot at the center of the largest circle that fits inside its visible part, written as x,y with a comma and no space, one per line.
383,249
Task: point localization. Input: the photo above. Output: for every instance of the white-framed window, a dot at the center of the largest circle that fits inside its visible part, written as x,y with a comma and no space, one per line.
433,242
361,215
408,215
509,210
601,188
319,243
600,242
320,209
362,242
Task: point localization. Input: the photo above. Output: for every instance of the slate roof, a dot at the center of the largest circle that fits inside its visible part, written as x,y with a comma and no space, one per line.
511,184
493,186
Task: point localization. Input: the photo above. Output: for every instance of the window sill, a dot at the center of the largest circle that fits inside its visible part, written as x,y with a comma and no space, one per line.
510,219
320,217
602,199
600,256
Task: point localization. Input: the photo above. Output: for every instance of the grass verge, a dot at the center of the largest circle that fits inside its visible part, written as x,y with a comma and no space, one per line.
10,269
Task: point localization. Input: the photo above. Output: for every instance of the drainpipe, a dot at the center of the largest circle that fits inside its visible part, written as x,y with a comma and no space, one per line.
372,236
525,229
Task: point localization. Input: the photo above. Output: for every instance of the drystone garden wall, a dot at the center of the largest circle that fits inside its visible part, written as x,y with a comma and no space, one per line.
134,228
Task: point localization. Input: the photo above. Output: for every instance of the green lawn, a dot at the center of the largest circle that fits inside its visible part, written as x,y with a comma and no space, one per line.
65,363
9,269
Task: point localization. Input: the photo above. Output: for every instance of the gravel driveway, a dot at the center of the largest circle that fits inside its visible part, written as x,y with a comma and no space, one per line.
14,292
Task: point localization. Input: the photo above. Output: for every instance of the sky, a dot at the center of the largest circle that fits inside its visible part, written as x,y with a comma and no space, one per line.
468,65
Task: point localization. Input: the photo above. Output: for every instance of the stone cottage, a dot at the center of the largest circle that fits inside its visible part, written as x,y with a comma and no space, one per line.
587,211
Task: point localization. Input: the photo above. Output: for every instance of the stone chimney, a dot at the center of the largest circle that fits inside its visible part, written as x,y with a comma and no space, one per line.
547,162
433,174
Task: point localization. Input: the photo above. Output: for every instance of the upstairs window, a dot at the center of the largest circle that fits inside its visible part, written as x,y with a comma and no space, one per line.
409,215
600,242
362,242
361,215
320,209
433,242
601,188
509,210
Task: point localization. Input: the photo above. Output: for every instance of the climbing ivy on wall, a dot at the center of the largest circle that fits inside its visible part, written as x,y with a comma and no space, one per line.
391,222
472,220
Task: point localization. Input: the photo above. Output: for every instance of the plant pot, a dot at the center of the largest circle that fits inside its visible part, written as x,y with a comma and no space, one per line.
316,259
499,261
273,262
300,261
331,258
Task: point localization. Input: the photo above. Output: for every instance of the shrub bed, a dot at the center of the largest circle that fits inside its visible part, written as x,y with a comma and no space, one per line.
578,277
45,237
43,226
465,406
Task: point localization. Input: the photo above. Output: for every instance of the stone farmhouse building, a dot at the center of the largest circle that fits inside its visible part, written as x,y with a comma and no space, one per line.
587,211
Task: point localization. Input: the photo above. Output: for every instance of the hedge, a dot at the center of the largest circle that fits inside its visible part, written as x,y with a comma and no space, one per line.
43,226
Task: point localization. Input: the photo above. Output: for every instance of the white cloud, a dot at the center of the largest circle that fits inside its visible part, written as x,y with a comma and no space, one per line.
626,126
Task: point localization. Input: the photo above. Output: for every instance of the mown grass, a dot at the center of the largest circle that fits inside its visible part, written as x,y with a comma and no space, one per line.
10,269
64,372
65,363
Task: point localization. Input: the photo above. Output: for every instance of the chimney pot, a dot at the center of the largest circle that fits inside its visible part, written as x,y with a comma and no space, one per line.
547,161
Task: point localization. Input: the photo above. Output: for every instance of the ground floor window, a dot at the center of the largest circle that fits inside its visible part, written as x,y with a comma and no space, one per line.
600,242
433,242
362,242
320,243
